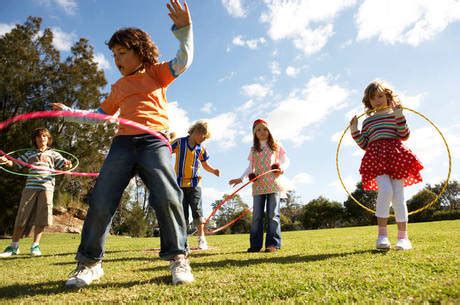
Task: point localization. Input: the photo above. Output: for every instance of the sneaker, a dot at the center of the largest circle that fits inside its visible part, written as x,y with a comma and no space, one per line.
35,251
383,243
403,244
180,270
9,251
202,243
83,275
271,249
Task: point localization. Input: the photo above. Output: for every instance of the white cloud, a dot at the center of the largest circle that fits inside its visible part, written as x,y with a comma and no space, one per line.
223,129
101,61
309,23
250,43
5,28
69,6
227,77
255,90
292,71
305,108
208,108
178,119
61,40
302,178
410,22
234,8
275,68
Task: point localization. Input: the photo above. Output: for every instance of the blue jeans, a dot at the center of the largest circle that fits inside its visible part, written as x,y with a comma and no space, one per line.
273,237
151,159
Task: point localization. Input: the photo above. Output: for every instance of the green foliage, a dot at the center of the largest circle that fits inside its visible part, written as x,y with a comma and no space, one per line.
330,266
322,213
291,212
356,215
228,212
136,222
33,76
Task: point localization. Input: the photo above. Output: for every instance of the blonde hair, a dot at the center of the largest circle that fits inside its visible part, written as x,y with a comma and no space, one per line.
200,126
375,87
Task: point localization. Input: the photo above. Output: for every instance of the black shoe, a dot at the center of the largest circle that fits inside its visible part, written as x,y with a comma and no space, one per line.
253,250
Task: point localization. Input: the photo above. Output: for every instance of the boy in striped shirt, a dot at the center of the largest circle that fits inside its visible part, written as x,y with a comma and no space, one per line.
36,205
189,154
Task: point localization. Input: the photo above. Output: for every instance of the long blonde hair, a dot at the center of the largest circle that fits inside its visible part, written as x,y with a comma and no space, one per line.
375,87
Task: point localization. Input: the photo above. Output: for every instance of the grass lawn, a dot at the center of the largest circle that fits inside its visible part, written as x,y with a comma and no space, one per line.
322,266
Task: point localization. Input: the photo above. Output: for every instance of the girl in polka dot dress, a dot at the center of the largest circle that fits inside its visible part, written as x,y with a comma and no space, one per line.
387,165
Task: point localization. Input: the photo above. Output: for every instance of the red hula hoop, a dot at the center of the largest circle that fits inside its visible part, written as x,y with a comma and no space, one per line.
231,196
92,115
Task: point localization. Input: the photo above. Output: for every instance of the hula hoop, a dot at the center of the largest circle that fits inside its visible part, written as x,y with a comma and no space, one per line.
231,196
444,187
52,171
91,115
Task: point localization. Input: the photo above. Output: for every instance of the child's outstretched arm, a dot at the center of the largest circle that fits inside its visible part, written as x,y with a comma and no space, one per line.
62,107
182,29
209,168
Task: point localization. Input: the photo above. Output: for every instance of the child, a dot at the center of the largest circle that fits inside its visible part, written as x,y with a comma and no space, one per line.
266,154
139,96
188,152
387,165
36,205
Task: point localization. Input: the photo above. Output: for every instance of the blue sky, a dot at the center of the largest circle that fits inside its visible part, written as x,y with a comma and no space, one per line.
301,65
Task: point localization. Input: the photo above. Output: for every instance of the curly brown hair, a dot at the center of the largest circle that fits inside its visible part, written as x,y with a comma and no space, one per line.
38,132
137,40
375,87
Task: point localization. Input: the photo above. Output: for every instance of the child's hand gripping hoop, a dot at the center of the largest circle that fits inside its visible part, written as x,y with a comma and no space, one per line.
444,187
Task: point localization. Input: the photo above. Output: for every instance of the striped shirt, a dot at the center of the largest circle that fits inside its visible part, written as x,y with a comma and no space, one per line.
187,166
48,159
381,126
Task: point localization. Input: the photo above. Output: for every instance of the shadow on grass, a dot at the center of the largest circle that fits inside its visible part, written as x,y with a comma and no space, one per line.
267,258
27,256
57,287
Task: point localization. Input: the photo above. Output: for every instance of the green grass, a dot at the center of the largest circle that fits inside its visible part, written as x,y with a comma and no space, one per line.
322,266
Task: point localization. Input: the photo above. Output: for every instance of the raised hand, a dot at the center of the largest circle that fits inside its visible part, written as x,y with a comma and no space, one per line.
354,123
180,16
397,109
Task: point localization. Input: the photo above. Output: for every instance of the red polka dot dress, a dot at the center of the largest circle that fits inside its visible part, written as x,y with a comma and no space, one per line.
381,137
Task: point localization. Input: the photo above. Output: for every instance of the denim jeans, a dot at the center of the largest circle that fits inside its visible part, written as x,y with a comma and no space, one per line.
273,237
151,159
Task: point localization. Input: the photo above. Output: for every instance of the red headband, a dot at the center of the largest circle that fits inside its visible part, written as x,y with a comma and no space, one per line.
257,122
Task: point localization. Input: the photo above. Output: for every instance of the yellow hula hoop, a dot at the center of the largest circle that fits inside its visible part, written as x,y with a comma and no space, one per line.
444,187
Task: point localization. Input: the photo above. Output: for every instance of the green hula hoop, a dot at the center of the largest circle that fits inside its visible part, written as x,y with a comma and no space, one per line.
41,175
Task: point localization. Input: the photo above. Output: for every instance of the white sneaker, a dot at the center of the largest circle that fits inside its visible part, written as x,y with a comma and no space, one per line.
35,251
202,243
383,243
9,251
180,270
83,275
403,244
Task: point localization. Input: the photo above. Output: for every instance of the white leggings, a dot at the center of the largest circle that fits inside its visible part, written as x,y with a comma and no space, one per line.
391,191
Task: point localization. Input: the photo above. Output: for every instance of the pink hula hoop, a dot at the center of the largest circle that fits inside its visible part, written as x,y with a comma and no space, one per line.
246,211
91,115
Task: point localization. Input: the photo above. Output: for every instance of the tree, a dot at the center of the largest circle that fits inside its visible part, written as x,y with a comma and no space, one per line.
420,200
450,199
322,213
32,76
356,215
228,212
291,212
